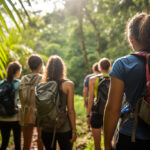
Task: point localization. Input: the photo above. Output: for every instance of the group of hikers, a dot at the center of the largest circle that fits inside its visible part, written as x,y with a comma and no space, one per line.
117,99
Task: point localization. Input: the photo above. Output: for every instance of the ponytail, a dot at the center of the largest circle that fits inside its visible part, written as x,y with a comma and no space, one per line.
12,68
144,33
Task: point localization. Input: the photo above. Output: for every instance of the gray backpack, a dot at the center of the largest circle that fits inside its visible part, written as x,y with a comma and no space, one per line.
49,106
27,113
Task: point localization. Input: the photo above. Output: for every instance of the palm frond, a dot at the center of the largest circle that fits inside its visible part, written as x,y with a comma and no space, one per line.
2,54
9,13
2,20
2,35
25,10
16,11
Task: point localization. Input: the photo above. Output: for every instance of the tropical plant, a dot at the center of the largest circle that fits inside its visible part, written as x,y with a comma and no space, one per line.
8,11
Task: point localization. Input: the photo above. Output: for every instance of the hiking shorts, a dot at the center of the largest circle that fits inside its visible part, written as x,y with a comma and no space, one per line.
96,120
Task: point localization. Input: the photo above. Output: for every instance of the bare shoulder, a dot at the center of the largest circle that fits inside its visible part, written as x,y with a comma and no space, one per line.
92,79
68,83
67,86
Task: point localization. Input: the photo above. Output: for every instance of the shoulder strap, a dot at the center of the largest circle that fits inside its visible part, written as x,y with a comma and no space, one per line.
135,114
38,80
96,87
147,57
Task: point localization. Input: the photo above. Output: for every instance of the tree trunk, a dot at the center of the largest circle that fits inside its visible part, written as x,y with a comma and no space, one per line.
147,6
95,28
82,41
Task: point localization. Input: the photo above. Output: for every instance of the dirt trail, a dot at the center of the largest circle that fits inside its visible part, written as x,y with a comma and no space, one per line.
83,135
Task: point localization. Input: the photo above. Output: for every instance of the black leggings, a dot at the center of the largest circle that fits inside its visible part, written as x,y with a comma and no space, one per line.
124,143
62,138
5,128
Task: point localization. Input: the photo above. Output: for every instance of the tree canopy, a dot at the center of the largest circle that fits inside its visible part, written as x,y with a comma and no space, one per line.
81,32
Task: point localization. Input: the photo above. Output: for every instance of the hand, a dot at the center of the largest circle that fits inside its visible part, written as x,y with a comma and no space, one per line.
74,137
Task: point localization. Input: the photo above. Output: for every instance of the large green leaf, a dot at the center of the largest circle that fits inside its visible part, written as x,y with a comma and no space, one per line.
2,54
25,10
2,35
16,11
3,2
2,20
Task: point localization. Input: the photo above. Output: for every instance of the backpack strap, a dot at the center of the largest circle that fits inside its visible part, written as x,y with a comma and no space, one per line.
97,83
138,103
147,57
96,87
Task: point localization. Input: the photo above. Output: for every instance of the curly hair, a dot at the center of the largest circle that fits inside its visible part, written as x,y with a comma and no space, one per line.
55,69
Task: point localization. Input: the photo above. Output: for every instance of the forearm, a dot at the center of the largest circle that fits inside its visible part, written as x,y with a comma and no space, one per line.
90,103
72,118
110,123
85,91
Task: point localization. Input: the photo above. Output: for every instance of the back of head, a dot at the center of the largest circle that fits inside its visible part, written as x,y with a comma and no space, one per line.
104,64
138,28
12,68
34,61
55,69
95,68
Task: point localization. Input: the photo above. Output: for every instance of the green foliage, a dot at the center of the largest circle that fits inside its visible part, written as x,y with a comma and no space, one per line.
79,107
8,9
58,33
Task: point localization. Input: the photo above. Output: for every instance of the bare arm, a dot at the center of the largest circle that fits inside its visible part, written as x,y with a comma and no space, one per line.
112,110
85,91
71,110
90,98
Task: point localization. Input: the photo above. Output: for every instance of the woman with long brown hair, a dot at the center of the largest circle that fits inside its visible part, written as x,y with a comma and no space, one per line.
66,134
128,79
10,122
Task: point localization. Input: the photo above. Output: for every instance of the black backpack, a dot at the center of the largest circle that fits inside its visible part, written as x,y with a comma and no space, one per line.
101,94
7,99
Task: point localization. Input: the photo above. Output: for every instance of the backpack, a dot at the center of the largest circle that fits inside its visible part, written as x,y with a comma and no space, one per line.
50,112
49,106
101,93
27,113
142,107
7,99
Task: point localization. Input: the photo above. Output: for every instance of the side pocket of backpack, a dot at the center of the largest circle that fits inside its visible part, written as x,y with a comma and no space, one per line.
21,116
144,112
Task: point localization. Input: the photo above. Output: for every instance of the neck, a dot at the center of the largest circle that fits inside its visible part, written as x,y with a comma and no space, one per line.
137,47
104,72
35,71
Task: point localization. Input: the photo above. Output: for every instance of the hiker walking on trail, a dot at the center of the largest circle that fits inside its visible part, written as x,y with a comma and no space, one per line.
9,106
86,83
55,75
98,91
128,78
27,98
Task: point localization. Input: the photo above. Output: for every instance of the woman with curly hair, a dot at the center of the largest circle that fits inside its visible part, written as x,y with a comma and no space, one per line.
66,134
